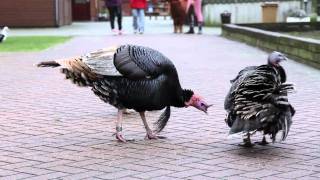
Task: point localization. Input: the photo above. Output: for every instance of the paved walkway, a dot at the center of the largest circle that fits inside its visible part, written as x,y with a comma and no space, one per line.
51,129
153,26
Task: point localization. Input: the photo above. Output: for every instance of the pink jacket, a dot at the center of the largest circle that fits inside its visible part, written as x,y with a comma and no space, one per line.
197,8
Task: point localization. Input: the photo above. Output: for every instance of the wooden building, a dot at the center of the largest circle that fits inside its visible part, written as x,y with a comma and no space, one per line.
35,13
53,13
86,10
48,13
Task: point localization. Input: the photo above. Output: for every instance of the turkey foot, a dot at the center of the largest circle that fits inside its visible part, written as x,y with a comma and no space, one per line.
263,142
246,144
118,133
121,138
150,135
126,111
246,141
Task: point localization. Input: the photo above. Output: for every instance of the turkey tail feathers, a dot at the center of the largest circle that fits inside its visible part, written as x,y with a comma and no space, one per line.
74,69
163,119
52,64
288,88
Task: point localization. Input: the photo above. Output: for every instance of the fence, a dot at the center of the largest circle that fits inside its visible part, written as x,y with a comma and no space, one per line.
244,11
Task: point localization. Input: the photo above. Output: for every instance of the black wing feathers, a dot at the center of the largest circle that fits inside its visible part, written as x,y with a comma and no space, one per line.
137,62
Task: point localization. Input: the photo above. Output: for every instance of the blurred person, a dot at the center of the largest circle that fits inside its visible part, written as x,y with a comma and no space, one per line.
115,10
178,15
194,8
138,7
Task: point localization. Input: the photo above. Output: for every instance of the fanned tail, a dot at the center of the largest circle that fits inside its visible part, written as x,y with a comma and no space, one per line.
74,69
278,116
286,116
287,88
163,119
286,122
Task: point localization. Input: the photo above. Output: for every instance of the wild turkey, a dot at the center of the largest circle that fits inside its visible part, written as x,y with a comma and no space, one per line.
132,77
257,101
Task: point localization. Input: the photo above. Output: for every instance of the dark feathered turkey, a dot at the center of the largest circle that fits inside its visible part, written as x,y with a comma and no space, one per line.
132,77
258,100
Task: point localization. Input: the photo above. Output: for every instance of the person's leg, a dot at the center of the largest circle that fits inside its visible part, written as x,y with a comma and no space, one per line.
198,12
141,21
135,20
191,20
175,25
200,24
119,18
112,16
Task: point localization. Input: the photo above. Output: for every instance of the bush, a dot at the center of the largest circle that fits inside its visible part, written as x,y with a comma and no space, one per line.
313,18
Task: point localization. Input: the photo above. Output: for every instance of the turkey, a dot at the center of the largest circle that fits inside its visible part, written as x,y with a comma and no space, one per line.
257,101
4,34
131,77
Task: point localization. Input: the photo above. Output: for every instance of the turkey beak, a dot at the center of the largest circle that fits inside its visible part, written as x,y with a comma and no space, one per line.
202,106
284,58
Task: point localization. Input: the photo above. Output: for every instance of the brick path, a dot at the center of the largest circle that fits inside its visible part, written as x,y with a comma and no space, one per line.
51,129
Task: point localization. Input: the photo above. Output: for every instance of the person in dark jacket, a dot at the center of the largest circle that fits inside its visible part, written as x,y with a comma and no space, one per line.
115,10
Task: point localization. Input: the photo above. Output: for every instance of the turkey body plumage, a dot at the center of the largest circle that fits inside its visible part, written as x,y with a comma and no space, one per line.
146,80
257,101
140,95
130,77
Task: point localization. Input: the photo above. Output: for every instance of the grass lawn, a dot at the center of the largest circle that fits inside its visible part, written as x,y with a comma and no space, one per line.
307,34
31,43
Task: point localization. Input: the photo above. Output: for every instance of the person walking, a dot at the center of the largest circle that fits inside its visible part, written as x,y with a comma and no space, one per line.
115,10
194,8
138,7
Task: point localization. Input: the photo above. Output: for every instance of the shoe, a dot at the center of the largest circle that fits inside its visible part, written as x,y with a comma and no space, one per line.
120,32
140,32
135,31
175,29
191,31
114,31
200,27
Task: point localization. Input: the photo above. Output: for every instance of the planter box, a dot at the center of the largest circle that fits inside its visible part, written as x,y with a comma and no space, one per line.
297,19
301,49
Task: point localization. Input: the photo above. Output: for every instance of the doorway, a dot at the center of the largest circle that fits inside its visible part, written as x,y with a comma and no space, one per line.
81,10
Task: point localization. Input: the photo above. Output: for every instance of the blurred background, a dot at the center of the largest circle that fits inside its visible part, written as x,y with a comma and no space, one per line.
50,13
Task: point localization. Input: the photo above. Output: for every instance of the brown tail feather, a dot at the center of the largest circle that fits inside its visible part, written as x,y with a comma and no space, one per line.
48,64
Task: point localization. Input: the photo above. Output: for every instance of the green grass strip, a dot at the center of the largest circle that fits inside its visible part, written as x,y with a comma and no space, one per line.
31,43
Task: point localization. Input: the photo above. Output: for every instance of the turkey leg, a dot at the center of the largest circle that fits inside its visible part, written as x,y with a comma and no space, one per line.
150,134
119,135
246,141
263,142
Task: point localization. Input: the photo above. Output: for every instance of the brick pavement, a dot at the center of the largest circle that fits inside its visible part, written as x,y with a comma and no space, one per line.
51,129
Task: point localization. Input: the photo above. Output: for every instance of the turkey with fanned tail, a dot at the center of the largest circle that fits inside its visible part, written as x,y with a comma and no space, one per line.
258,101
131,77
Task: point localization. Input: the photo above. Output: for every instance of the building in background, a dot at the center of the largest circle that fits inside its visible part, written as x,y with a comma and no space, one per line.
87,10
251,11
35,13
48,13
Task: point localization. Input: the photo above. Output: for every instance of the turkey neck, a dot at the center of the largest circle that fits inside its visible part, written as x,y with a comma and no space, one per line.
178,95
282,73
